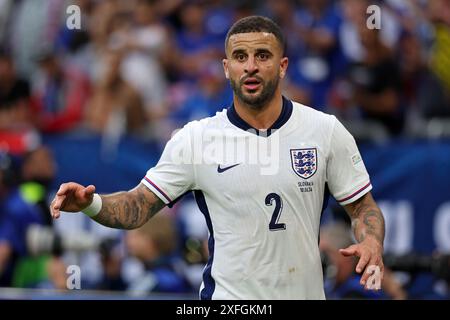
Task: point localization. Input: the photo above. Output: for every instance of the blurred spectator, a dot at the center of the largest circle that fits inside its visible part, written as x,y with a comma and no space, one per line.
87,245
113,263
196,47
244,8
17,134
59,95
315,63
37,173
194,239
168,8
35,23
99,24
211,94
16,215
355,16
5,15
23,207
14,96
115,105
375,83
283,12
154,245
69,41
143,46
421,89
440,65
219,18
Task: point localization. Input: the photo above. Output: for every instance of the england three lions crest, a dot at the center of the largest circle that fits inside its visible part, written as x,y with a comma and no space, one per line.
304,162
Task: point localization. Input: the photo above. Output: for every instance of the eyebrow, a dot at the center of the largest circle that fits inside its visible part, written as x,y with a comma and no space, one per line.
262,50
259,50
237,51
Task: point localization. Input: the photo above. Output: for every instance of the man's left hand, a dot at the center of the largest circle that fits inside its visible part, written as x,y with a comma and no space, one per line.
370,261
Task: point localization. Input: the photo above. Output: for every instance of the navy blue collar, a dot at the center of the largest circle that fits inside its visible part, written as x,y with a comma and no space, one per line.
286,112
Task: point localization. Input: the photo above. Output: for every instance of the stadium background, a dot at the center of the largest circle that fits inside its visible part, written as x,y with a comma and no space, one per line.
97,105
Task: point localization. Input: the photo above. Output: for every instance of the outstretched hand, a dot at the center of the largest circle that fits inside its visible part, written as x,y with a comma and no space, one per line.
370,261
71,197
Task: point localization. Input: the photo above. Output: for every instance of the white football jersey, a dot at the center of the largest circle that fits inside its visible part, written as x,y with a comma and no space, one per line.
262,194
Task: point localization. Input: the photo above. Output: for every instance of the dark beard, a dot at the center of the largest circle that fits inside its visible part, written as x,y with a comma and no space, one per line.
259,101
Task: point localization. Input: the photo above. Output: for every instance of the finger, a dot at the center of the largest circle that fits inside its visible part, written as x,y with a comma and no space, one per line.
62,189
54,212
58,202
362,263
374,269
89,190
56,206
368,272
372,277
84,192
364,278
350,251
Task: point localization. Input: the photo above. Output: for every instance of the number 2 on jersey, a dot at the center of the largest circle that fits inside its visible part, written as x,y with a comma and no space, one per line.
274,225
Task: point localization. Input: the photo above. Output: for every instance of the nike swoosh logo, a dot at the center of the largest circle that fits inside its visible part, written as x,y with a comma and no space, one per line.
220,170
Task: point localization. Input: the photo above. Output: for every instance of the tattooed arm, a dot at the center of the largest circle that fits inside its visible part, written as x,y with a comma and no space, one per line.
368,227
129,210
122,210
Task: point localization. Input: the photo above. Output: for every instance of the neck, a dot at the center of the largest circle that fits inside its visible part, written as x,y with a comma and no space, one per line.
262,118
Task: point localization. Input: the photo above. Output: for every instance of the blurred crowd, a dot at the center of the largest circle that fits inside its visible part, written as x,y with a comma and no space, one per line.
146,67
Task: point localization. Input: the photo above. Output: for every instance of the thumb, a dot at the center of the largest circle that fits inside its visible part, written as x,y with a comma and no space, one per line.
89,190
349,251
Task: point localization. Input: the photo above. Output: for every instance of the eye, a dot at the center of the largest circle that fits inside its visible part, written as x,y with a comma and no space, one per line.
240,57
263,56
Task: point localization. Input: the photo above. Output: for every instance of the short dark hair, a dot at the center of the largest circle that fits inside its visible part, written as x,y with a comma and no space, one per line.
257,24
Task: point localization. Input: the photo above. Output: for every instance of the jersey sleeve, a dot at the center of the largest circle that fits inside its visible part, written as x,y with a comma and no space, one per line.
347,176
173,175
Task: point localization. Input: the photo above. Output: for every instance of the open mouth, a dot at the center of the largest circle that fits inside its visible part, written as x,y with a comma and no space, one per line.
251,83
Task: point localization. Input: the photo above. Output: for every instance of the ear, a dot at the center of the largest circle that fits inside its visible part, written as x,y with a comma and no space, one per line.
283,67
225,68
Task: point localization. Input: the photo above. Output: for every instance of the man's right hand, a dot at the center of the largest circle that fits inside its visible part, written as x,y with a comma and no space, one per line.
71,197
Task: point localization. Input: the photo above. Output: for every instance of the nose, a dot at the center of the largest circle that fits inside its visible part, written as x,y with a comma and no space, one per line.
251,67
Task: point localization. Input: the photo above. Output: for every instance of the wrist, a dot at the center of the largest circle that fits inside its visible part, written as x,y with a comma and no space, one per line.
374,239
94,208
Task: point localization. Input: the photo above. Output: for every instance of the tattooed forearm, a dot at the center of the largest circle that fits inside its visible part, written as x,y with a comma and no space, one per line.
367,219
129,210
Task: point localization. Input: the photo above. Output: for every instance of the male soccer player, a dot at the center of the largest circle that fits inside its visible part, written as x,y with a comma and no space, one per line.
263,225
